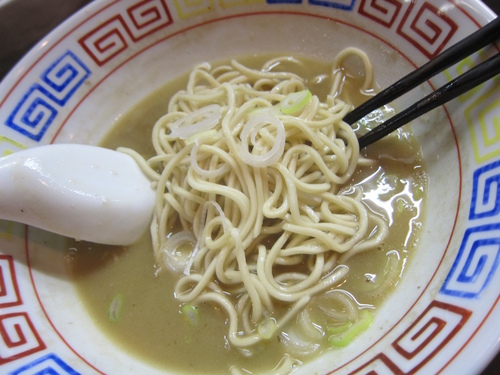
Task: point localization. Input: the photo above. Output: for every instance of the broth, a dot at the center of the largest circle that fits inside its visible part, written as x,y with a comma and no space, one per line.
137,308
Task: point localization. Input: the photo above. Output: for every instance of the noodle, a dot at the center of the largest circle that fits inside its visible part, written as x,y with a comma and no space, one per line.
254,174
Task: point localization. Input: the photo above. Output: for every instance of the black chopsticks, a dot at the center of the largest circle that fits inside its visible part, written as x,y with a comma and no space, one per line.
474,77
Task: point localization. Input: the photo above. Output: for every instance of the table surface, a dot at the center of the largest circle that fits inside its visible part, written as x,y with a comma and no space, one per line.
20,33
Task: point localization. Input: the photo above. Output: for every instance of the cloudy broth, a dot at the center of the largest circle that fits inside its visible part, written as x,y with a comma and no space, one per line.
135,306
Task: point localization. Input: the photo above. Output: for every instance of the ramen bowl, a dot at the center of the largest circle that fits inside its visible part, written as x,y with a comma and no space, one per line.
80,80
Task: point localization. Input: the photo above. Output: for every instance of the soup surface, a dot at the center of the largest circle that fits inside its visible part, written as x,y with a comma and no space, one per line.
135,305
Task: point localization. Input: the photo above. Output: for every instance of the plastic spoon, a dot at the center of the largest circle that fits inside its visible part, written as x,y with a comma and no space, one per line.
79,191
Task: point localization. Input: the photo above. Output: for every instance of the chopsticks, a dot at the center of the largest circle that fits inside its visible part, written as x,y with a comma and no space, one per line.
472,78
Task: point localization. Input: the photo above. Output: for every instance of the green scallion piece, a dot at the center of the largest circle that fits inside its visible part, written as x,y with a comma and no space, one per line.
343,339
191,314
115,308
295,102
267,328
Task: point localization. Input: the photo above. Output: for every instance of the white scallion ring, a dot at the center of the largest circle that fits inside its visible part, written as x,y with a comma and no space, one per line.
196,122
250,130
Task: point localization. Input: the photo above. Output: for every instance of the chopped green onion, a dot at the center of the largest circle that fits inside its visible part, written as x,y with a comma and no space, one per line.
295,102
344,338
115,308
191,314
267,328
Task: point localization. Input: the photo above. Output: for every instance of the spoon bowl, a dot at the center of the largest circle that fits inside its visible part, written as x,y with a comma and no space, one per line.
84,192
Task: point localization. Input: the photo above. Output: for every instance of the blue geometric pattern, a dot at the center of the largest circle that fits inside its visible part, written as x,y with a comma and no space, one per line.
41,103
339,4
50,364
486,192
476,262
64,76
34,113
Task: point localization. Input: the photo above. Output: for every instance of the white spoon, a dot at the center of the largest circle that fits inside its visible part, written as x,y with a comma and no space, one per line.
84,192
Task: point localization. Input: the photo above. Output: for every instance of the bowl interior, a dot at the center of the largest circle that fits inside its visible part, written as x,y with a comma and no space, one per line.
108,58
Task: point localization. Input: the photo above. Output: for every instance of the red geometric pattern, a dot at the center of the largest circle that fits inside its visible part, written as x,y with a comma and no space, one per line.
114,35
427,28
147,17
421,341
18,337
9,291
106,41
430,332
423,25
384,12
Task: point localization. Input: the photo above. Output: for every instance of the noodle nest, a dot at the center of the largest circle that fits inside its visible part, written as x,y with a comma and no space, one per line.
250,212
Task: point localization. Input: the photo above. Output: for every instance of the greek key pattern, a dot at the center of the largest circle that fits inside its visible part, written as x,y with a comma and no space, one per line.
39,106
484,125
113,36
420,342
485,201
427,28
479,254
344,5
476,262
48,364
187,9
422,24
19,337
9,291
383,12
463,66
337,4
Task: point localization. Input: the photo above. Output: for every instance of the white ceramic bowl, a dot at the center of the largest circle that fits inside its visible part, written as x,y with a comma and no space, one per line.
81,78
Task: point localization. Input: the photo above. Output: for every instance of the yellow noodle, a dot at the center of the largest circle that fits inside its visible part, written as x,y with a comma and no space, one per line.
267,234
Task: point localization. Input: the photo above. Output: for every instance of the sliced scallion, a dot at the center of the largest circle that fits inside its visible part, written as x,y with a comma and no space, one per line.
191,314
344,338
115,308
295,102
198,121
267,328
